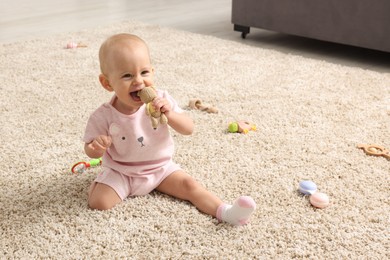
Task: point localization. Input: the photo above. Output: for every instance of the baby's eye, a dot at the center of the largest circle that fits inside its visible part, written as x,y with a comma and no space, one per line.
128,75
145,72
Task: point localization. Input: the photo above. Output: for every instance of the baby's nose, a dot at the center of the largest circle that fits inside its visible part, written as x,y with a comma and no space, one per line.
138,79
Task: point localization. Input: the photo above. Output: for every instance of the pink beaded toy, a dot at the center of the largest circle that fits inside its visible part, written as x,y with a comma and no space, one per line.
74,45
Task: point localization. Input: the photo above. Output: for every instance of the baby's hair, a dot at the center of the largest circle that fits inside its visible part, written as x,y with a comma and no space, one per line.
114,40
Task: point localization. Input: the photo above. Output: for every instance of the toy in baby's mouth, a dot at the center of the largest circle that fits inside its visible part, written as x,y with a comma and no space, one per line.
147,95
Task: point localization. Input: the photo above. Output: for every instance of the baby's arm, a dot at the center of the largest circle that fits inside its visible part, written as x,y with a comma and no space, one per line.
180,122
98,146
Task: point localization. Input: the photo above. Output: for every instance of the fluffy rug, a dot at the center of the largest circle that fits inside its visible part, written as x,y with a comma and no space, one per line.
310,116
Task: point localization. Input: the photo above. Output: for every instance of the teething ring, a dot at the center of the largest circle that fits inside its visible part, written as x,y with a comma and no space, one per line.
80,167
375,150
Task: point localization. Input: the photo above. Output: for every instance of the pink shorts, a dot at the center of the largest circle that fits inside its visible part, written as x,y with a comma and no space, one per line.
126,186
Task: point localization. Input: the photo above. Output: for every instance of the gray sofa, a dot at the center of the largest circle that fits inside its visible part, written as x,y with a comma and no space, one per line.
361,23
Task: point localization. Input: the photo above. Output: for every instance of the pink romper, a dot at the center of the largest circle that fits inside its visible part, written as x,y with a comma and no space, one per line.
140,158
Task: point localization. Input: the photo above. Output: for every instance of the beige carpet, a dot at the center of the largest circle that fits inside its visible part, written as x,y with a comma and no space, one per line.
310,116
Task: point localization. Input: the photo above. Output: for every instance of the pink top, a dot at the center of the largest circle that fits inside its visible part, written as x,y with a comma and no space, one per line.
136,147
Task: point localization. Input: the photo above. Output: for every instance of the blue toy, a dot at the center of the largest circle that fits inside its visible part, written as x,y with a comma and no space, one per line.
307,187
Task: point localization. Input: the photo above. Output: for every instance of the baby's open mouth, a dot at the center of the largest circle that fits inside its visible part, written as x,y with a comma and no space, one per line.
134,96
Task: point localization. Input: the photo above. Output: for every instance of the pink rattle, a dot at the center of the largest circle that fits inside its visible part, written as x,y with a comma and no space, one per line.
74,45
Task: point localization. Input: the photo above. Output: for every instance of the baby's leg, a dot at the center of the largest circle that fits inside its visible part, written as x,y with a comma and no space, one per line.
102,196
181,185
109,188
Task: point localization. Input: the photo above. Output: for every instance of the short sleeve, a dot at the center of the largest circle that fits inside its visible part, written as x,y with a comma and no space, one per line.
174,104
96,125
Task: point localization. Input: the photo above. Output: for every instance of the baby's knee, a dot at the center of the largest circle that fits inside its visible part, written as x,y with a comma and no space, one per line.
102,197
100,203
190,184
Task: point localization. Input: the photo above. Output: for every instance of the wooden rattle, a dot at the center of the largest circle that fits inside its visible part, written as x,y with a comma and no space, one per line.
375,150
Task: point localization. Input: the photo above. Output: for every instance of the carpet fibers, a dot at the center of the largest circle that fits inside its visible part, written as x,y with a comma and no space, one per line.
310,116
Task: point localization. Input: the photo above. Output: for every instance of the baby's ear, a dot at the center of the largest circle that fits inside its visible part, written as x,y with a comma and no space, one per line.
114,129
105,83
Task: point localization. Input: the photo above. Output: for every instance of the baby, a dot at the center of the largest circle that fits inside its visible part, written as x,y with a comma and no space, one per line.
137,159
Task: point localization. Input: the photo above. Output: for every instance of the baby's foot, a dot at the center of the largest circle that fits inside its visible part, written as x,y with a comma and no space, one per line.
237,214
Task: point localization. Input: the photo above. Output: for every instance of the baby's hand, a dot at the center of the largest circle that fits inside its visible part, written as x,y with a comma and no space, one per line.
162,104
101,143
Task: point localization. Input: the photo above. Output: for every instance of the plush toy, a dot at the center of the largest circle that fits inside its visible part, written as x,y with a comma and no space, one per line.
147,95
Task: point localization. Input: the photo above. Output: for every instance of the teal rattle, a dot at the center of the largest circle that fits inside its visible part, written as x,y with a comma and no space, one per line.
81,167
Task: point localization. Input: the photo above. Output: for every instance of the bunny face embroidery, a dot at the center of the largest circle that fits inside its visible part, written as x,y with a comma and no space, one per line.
119,138
122,139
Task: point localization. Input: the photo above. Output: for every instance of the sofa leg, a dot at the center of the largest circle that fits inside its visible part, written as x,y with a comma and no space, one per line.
243,29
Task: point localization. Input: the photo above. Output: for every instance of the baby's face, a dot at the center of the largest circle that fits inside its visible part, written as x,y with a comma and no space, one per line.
128,70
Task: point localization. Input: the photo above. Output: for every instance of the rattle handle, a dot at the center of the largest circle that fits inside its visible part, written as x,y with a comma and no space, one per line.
386,155
95,162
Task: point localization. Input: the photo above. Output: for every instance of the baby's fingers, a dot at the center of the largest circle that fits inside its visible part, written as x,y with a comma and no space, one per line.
162,104
107,141
101,143
95,145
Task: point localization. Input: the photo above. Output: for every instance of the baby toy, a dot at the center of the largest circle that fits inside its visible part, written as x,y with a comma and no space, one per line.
307,187
147,95
241,127
74,45
197,104
317,199
375,150
81,167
